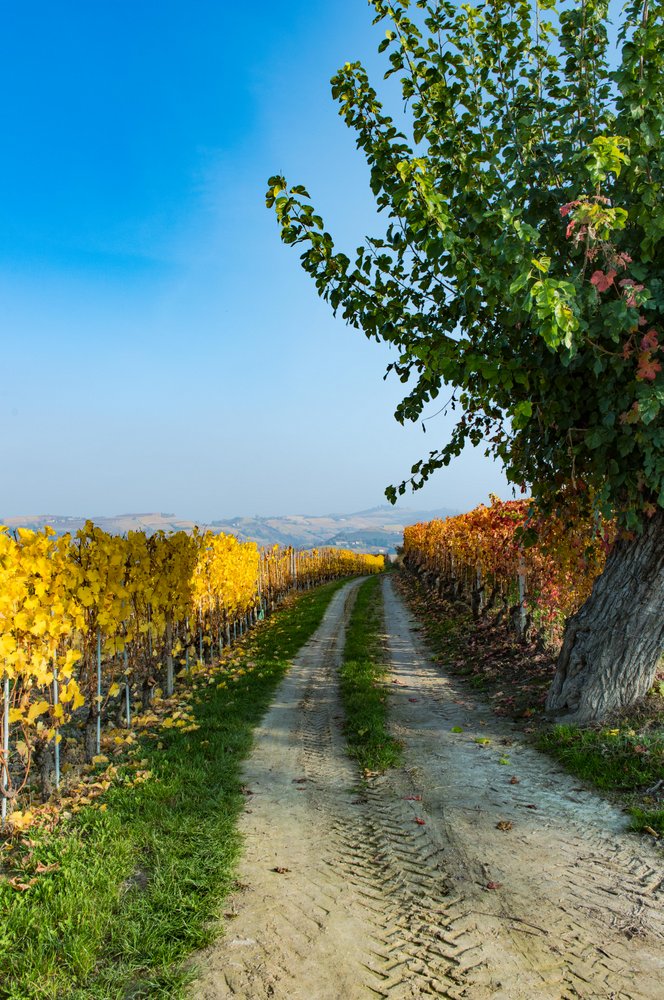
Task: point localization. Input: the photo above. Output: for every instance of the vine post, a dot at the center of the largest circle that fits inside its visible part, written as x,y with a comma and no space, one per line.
521,614
125,659
5,747
98,720
56,739
170,683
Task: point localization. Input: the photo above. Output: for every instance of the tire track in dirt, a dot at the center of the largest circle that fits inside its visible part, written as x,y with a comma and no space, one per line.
292,926
376,904
579,909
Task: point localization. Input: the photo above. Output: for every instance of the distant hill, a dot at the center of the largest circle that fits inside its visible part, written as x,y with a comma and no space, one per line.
377,529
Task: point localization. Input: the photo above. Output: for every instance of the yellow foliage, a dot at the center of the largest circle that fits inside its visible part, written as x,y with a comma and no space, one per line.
136,600
21,820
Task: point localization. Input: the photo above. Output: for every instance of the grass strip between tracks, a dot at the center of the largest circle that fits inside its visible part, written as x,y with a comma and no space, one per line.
362,689
137,880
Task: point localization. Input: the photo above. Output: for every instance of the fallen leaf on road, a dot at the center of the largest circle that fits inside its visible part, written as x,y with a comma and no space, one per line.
504,824
413,798
494,885
531,805
280,871
299,781
421,822
413,699
514,780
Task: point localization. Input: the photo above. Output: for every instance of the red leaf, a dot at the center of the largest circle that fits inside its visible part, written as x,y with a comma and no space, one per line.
420,822
648,367
494,885
602,281
650,342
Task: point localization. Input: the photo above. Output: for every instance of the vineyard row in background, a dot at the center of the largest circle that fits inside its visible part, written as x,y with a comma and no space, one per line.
480,557
93,625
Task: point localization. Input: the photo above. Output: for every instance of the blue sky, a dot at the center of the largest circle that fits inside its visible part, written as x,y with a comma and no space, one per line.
162,350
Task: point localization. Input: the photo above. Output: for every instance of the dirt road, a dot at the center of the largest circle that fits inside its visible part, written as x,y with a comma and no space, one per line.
443,878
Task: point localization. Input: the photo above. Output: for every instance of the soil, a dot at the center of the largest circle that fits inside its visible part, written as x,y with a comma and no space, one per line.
479,869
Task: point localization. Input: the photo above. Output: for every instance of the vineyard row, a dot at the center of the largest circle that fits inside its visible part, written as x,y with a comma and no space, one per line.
481,557
92,625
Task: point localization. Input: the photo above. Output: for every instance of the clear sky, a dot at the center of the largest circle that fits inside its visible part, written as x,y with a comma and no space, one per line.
161,349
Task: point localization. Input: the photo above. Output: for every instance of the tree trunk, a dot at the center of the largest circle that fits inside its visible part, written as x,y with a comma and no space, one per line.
612,644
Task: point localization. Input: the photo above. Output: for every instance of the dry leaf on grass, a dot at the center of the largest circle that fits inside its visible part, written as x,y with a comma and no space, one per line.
16,883
42,869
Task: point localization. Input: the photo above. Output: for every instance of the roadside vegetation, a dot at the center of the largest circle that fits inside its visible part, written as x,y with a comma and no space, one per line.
108,903
623,757
362,683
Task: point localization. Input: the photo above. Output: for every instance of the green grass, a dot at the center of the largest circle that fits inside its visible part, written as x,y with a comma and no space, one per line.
139,886
614,759
363,693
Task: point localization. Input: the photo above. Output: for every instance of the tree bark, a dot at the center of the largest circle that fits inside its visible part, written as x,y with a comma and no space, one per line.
612,644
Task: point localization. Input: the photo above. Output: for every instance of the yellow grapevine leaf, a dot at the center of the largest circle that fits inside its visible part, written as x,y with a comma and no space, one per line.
86,597
36,709
21,820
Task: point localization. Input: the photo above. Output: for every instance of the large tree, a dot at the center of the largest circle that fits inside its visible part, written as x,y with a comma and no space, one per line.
522,264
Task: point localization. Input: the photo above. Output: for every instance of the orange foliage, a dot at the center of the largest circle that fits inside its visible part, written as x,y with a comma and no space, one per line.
559,568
